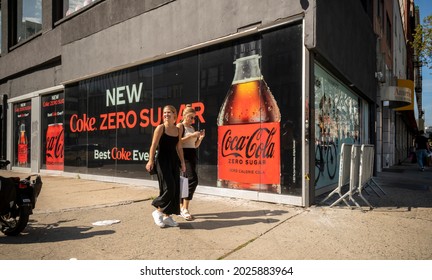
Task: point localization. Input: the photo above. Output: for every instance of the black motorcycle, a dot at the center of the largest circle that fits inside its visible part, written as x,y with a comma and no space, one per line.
17,201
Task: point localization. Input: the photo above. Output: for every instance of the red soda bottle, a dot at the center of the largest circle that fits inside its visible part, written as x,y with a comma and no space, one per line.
22,146
249,129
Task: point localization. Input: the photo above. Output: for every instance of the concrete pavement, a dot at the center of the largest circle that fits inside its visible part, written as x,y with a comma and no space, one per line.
399,227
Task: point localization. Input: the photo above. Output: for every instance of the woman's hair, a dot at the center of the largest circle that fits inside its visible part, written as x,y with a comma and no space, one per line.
171,108
188,110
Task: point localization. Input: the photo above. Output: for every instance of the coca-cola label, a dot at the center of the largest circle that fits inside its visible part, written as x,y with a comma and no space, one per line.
54,147
22,153
249,153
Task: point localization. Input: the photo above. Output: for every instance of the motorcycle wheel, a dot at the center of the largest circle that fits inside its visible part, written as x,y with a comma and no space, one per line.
13,225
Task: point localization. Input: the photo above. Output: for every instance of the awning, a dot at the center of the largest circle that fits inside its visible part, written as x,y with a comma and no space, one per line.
407,111
396,96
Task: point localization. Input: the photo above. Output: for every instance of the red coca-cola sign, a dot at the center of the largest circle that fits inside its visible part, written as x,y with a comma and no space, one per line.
249,153
55,147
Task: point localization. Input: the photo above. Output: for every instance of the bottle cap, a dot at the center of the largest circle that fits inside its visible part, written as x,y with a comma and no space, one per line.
247,48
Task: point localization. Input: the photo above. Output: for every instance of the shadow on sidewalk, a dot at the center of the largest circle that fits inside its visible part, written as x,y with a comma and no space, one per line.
240,214
212,224
405,187
52,233
211,221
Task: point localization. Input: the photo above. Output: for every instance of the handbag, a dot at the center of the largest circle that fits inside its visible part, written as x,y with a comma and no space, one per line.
184,187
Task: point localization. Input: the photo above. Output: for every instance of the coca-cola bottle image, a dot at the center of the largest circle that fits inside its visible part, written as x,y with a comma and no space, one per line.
55,147
249,128
22,145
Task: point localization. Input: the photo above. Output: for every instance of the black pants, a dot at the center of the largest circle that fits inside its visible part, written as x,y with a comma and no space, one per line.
191,162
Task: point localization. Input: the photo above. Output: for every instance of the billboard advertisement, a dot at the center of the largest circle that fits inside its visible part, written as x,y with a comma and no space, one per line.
53,131
22,126
247,95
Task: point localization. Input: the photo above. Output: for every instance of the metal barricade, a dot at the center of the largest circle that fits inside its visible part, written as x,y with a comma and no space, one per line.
344,172
361,174
366,174
354,176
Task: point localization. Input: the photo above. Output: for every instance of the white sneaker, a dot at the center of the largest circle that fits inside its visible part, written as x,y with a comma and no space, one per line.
158,218
168,221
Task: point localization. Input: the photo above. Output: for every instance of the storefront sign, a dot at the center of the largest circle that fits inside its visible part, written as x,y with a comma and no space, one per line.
407,84
397,96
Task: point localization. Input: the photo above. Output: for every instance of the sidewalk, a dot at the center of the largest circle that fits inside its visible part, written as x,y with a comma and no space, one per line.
399,227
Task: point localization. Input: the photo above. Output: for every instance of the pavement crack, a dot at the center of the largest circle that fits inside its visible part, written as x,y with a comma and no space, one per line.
90,207
241,246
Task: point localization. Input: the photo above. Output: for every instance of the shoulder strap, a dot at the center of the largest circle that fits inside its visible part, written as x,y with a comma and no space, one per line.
184,128
178,132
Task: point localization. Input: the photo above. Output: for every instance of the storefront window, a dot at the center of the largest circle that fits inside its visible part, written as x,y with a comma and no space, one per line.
52,123
21,130
281,66
110,119
337,118
216,73
29,18
75,131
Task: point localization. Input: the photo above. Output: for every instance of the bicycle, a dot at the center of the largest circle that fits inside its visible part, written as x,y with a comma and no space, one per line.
325,160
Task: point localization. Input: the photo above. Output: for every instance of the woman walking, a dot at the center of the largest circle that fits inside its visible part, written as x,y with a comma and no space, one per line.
168,164
190,140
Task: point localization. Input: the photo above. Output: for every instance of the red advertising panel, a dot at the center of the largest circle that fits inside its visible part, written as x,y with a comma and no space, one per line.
22,115
249,154
249,128
54,147
53,131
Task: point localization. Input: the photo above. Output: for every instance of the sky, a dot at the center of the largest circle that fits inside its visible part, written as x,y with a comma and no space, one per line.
425,7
